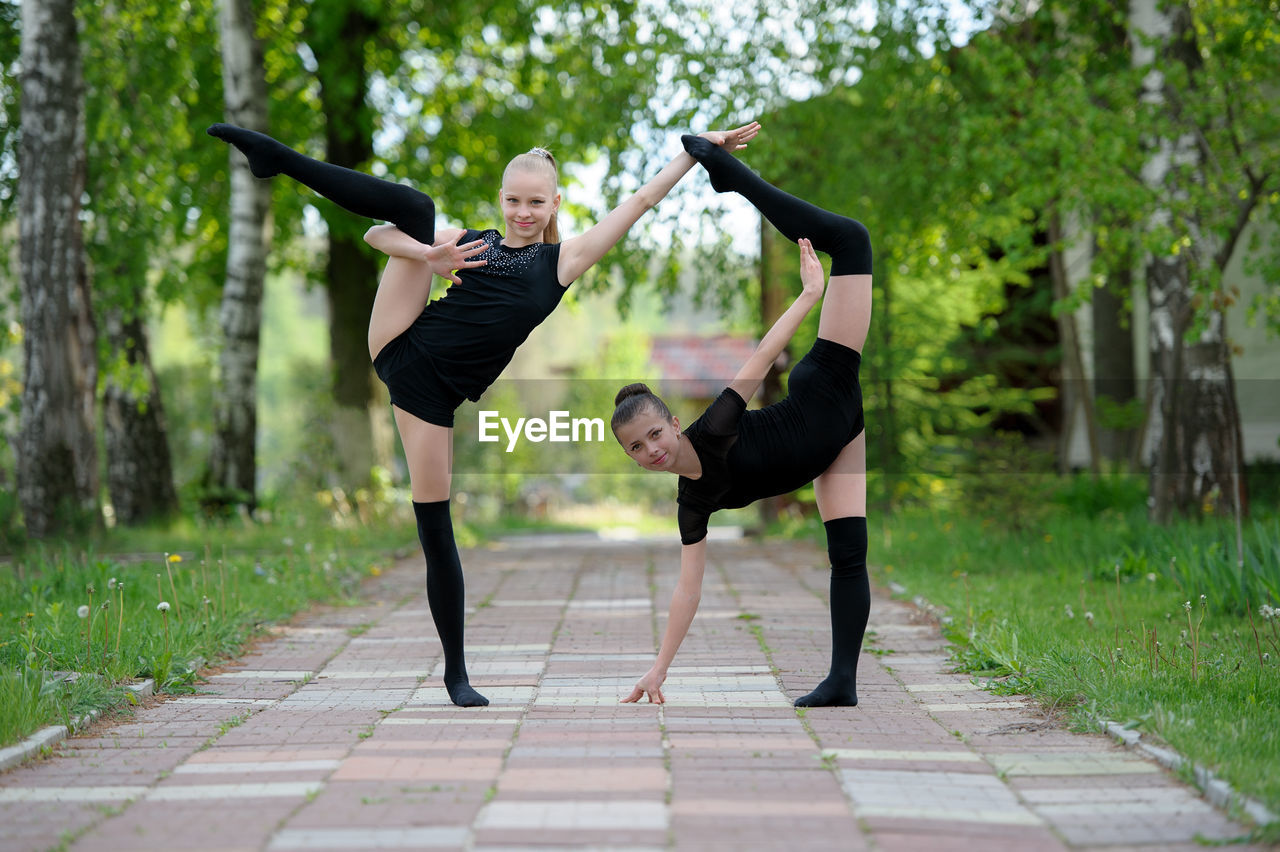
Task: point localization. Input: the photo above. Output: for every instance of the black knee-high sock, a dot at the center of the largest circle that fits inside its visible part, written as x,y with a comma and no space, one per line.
409,210
850,606
845,240
446,597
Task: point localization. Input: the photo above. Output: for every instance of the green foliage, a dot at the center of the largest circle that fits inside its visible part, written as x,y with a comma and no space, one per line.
1100,614
260,573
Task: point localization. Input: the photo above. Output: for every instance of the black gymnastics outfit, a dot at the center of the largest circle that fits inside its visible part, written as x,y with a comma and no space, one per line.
454,350
747,455
462,341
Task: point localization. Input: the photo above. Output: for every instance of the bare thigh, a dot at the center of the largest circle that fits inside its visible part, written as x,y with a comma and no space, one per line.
841,489
402,294
846,311
428,449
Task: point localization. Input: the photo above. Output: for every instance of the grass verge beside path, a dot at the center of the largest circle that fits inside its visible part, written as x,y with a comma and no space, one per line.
1110,617
178,598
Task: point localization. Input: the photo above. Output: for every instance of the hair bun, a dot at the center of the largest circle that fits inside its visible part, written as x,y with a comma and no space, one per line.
634,389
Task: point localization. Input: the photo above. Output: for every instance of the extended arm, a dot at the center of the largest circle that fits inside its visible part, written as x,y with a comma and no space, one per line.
580,253
443,256
684,603
777,338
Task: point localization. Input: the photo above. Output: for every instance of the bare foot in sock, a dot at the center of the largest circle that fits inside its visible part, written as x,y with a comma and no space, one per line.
461,693
263,151
718,162
832,692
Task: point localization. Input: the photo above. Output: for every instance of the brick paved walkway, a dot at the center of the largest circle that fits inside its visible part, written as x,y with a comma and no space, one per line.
337,734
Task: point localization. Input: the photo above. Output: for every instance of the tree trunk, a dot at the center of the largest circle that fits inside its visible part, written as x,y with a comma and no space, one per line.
139,467
1075,383
1114,369
1195,423
352,274
57,454
231,477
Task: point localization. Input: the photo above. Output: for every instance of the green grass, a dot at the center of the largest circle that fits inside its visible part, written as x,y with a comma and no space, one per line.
1099,614
93,608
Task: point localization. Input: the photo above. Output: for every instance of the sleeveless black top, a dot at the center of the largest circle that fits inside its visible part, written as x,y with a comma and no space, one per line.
472,332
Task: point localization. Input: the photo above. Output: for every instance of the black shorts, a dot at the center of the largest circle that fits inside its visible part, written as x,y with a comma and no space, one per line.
414,382
824,383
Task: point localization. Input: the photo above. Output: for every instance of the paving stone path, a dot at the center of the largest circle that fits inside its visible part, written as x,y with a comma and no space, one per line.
336,733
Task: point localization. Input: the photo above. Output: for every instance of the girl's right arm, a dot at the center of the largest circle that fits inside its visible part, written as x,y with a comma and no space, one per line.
777,338
684,604
443,256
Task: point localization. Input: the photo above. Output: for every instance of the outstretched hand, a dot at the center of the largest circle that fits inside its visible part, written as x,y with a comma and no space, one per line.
446,257
651,685
811,276
732,140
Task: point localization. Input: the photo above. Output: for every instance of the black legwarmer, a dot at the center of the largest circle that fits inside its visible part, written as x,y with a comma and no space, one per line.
367,196
850,607
845,240
446,596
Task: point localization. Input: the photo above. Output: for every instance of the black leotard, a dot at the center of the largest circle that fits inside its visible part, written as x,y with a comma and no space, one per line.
749,455
461,342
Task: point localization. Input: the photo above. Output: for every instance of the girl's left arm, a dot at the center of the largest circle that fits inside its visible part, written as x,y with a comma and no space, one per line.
684,604
776,339
580,253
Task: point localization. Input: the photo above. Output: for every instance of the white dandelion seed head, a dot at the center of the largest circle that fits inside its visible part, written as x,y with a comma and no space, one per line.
1070,613
111,584
83,611
163,606
1187,606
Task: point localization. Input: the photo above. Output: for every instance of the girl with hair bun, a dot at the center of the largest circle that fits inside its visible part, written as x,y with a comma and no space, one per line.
432,355
730,457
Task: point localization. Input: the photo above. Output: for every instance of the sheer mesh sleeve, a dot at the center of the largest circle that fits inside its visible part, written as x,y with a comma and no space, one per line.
693,524
722,416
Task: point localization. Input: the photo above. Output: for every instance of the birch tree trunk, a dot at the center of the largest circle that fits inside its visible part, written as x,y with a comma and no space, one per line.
1195,423
232,455
139,465
57,454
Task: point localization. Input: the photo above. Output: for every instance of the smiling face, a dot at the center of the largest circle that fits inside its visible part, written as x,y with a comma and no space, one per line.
529,201
651,439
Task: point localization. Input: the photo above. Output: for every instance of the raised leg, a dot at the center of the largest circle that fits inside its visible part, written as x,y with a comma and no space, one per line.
403,292
409,210
844,239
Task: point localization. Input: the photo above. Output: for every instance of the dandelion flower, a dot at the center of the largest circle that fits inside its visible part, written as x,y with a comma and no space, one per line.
1266,612
1151,576
175,557
163,606
83,611
1088,616
111,584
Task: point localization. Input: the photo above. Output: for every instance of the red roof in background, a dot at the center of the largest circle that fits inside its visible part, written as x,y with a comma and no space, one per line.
699,367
